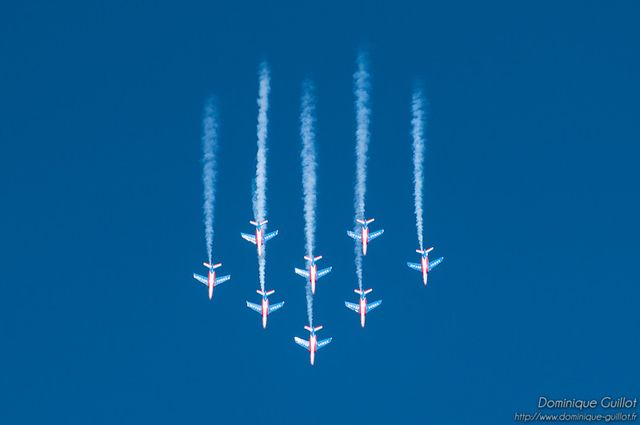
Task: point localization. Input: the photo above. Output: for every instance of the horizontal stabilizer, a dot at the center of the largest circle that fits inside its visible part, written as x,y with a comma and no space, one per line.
422,251
210,266
359,292
319,257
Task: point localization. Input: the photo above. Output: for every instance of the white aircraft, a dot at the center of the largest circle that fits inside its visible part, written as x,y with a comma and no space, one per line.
365,237
362,308
260,238
265,309
425,266
211,280
313,344
313,274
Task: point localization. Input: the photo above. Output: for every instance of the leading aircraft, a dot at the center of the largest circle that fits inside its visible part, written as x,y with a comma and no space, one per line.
425,266
313,273
265,309
362,308
365,237
260,238
211,280
313,344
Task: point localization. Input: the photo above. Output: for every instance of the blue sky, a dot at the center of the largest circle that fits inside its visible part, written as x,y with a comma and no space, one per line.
530,194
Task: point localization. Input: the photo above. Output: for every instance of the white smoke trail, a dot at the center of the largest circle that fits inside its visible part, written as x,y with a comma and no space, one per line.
308,156
309,304
418,122
260,194
361,91
209,144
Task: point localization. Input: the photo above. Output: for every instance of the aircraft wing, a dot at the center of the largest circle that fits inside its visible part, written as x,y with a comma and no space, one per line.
222,279
352,306
302,273
200,279
354,235
323,343
247,237
254,307
275,307
301,342
373,305
375,234
270,235
434,263
415,266
324,272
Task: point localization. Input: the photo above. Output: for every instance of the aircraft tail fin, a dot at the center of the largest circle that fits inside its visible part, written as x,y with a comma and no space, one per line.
314,329
319,257
268,292
211,266
359,292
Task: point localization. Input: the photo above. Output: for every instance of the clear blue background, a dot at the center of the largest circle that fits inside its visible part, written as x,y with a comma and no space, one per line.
531,195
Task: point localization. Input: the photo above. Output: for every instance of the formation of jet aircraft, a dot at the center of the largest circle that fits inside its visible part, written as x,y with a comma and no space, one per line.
311,274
